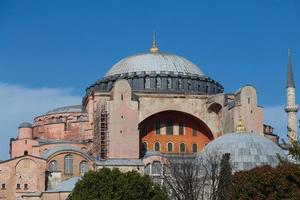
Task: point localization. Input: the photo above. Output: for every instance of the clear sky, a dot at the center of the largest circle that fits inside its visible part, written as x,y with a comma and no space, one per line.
50,51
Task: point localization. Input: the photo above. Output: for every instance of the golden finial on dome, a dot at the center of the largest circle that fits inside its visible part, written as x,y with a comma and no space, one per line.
154,48
240,127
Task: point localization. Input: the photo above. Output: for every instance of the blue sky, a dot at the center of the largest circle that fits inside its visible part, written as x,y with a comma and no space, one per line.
50,51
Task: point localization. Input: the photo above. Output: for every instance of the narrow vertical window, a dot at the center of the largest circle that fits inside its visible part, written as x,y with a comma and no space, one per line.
158,83
181,129
182,148
3,187
248,100
169,126
53,167
147,169
170,147
157,146
206,89
18,186
195,148
157,127
83,167
121,97
147,83
25,186
144,147
144,130
169,83
68,164
156,168
189,85
179,83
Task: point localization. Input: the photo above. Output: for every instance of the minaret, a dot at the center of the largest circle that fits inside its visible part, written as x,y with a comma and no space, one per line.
291,108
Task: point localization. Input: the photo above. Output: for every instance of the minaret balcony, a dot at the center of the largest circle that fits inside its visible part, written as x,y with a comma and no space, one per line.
291,108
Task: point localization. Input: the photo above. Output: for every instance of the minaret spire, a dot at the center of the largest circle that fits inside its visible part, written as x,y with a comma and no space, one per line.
291,107
290,76
154,48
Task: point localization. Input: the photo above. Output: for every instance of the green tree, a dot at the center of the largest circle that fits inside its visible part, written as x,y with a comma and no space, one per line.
225,179
107,184
294,150
282,182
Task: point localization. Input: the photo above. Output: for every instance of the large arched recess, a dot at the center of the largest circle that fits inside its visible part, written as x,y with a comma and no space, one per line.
187,130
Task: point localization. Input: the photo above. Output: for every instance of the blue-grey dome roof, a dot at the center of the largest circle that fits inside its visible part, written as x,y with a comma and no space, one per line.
67,109
157,62
25,125
247,150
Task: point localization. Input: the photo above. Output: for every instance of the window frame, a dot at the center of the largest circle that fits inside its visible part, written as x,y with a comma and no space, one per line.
69,164
157,143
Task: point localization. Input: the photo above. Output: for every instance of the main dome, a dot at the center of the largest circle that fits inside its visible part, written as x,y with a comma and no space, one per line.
155,62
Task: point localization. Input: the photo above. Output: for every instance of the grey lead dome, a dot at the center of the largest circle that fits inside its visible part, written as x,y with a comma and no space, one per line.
247,150
158,62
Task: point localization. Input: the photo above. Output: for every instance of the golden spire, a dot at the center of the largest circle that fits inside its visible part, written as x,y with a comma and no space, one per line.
240,128
154,48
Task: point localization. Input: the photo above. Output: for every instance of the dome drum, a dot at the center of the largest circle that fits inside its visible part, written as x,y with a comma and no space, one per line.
160,82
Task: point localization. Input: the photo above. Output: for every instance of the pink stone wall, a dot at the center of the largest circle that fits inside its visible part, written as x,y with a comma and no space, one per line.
24,170
18,147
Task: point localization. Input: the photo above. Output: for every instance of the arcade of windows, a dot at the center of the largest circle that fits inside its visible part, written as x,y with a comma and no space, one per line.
68,165
170,147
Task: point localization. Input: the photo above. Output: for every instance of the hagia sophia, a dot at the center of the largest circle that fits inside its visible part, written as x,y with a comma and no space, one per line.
147,106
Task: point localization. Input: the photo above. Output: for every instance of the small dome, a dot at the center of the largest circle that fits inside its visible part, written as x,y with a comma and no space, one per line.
247,150
68,109
25,125
157,62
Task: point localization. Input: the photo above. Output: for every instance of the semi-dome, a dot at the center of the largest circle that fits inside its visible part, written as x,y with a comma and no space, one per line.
155,62
247,150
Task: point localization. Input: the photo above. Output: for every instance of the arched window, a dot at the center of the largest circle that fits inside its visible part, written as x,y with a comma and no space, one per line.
156,168
182,148
84,167
68,164
158,83
169,83
145,146
25,152
53,167
170,147
147,83
157,146
195,148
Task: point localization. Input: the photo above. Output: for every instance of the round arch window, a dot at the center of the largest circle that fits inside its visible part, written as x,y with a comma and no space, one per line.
182,148
157,146
170,147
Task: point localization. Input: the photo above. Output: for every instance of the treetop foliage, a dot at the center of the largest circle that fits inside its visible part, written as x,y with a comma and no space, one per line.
107,184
